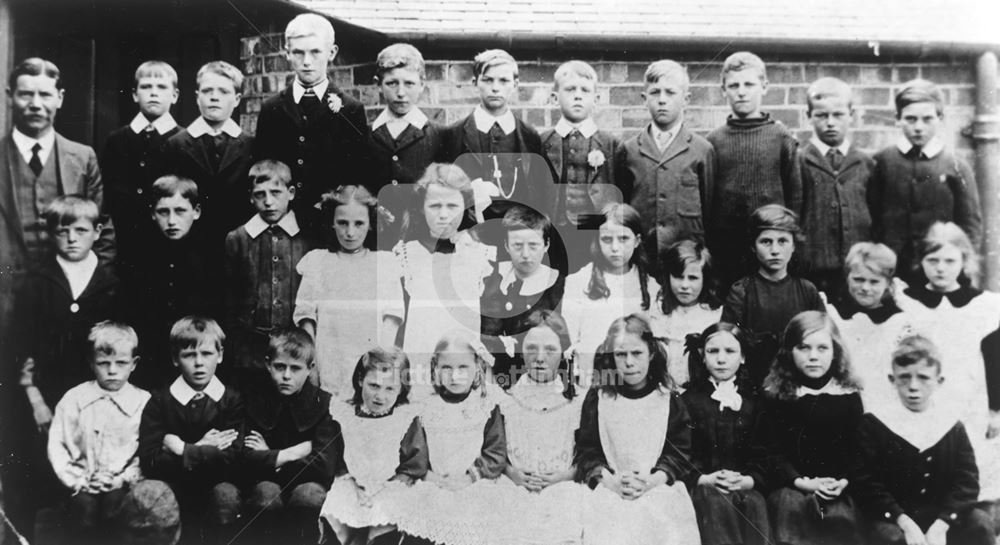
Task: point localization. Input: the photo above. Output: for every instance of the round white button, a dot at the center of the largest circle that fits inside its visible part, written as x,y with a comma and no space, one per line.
74,308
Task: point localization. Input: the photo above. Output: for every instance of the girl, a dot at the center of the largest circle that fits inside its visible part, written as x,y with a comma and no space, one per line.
633,444
614,284
958,317
375,424
870,321
349,298
811,411
687,302
723,409
442,267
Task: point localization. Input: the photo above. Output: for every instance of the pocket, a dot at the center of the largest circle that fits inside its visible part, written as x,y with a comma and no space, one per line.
689,196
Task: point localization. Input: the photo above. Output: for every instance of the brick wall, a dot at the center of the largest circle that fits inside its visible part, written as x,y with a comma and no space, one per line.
450,96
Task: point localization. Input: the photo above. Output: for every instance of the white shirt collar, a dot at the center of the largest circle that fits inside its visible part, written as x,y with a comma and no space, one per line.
655,131
78,273
934,147
832,387
538,282
24,144
201,127
298,89
484,121
184,393
414,117
257,225
587,127
128,399
923,430
824,149
163,124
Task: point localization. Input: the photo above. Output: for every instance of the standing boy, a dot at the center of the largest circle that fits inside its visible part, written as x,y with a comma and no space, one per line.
754,163
918,182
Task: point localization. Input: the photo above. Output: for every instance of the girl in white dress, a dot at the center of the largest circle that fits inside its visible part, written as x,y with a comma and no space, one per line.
633,445
687,302
383,448
614,284
350,298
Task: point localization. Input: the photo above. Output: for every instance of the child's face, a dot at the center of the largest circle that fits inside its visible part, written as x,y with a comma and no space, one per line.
351,225
773,249
217,98
198,363
309,57
920,122
666,100
866,286
496,85
74,241
113,370
271,199
813,356
380,389
542,353
617,243
527,249
744,89
576,96
831,118
916,383
443,208
943,267
632,359
154,95
723,356
401,89
175,216
288,374
456,371
687,287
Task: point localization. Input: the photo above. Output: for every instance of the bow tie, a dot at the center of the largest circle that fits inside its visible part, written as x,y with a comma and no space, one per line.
728,396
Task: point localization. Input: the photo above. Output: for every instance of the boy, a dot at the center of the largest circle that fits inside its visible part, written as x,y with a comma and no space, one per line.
518,287
133,157
834,177
666,172
261,281
754,163
916,475
315,128
917,181
403,140
191,433
214,152
94,438
581,156
293,445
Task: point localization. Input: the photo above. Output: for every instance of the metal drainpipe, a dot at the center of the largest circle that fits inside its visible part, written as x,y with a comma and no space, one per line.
986,135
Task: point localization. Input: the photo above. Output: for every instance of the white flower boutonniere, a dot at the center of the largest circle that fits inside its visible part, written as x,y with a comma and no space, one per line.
334,103
595,158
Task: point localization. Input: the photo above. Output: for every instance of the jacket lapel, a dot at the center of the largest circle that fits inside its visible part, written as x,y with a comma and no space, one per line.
196,149
408,137
101,279
680,144
291,109
553,149
8,203
647,146
522,146
235,149
814,158
70,166
53,273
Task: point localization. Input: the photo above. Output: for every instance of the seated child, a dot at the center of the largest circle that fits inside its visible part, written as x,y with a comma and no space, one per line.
293,447
916,477
191,433
376,424
94,438
810,414
727,483
634,443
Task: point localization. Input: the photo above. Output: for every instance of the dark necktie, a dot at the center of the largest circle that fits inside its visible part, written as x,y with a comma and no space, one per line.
309,103
514,299
915,153
36,162
835,158
218,147
496,132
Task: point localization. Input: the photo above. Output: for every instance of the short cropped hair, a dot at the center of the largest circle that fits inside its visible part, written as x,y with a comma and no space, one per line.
270,170
775,217
917,91
490,58
573,68
167,186
105,337
35,66
743,60
916,349
828,88
664,69
293,342
399,56
874,256
155,69
520,217
224,69
310,24
191,331
67,209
